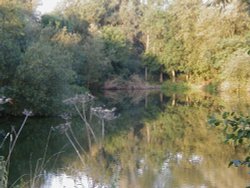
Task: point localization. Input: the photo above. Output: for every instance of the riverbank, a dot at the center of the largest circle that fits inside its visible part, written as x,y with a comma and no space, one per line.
209,87
133,83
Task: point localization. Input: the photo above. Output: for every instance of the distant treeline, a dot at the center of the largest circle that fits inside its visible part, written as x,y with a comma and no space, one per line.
84,43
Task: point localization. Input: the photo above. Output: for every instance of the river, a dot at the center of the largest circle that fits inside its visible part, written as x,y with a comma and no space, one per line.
149,140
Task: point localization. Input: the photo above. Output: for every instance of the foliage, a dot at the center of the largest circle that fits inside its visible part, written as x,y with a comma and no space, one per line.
12,36
95,68
211,88
236,129
134,82
13,135
175,87
45,77
151,62
202,56
118,50
117,39
236,75
71,22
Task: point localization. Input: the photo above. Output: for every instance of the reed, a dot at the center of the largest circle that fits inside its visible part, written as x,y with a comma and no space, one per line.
3,173
12,144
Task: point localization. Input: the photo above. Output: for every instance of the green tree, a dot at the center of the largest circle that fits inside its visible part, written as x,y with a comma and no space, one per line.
16,32
119,51
45,77
154,27
95,66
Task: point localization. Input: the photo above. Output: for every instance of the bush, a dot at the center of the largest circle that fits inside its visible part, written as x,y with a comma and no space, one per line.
236,74
44,78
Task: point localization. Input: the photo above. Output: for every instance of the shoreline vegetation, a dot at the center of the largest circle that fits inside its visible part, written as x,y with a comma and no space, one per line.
121,45
133,83
137,83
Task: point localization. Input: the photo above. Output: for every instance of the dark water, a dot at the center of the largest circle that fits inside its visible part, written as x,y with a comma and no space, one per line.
156,141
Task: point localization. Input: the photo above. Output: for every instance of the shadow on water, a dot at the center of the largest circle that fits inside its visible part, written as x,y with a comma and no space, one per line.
156,141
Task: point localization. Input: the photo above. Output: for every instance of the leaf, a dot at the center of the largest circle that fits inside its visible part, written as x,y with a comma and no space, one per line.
232,123
225,115
217,123
213,121
247,159
240,141
235,128
229,136
230,164
241,133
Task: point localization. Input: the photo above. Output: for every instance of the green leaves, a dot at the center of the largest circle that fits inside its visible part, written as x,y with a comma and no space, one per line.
236,129
214,121
45,76
119,51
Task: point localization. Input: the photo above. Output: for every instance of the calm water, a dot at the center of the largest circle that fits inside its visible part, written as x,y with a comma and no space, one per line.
155,141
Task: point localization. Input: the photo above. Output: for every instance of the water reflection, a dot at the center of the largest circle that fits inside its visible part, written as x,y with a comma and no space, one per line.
157,141
66,181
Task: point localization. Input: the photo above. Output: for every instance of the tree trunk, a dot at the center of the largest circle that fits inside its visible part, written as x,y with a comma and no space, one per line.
148,133
161,97
173,100
161,76
103,129
187,100
173,75
147,43
147,49
146,73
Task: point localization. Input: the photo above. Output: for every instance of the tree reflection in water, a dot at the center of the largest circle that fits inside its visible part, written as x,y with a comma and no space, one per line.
174,149
153,145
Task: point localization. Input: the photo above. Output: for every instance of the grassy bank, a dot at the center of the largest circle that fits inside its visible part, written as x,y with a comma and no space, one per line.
175,87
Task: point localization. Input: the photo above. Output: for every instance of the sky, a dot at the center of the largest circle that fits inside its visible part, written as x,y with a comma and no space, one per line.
47,6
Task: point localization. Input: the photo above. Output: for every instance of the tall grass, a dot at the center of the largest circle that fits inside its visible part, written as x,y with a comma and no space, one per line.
83,105
13,136
80,104
3,173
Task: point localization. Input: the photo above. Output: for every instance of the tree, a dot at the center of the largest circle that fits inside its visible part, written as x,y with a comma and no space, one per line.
118,50
16,32
154,30
95,67
45,77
